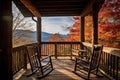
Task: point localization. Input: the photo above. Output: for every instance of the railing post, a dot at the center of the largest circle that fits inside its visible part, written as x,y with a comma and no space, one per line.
71,51
55,50
25,58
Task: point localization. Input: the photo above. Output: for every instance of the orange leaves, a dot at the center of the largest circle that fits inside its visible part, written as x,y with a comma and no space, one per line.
74,31
108,25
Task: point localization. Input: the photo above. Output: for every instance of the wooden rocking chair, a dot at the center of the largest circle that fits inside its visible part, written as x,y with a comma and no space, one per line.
90,65
43,66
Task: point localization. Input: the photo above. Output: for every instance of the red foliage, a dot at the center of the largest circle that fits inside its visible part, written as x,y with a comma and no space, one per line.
74,34
109,25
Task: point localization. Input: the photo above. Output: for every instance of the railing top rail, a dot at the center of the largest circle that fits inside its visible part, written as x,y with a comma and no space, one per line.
113,51
61,42
25,45
109,50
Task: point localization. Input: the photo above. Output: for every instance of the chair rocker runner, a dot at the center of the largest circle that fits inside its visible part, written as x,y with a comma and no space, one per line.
89,65
42,66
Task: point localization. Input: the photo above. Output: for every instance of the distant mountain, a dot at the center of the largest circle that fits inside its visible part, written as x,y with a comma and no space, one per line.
45,36
27,34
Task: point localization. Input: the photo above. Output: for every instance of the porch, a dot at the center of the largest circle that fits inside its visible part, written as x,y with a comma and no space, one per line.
14,60
63,62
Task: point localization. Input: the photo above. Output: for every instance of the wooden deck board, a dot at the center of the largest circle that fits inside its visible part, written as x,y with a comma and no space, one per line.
63,70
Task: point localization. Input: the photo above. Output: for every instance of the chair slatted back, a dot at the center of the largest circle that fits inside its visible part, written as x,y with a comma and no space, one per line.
33,57
96,55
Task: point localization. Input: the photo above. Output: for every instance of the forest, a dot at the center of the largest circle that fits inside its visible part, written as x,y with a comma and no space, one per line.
108,25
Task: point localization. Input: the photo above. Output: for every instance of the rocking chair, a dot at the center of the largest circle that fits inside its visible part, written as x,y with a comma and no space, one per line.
41,65
90,65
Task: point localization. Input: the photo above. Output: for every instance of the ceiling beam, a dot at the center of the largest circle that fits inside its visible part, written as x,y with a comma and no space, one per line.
88,8
31,8
60,1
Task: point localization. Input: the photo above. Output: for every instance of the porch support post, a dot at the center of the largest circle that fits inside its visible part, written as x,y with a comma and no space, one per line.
95,10
82,36
6,19
39,33
38,30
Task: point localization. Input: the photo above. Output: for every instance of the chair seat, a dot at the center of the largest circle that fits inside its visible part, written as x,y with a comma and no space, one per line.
45,62
85,64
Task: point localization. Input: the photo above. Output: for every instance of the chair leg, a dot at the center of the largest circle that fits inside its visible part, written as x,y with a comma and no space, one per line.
99,75
51,62
88,75
96,71
75,65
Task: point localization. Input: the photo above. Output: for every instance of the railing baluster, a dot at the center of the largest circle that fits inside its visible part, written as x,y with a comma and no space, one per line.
71,51
55,50
117,68
114,66
25,59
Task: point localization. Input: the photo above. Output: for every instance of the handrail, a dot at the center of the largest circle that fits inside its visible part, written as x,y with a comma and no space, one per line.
109,50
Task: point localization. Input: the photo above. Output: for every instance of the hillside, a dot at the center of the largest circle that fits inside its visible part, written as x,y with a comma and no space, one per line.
31,35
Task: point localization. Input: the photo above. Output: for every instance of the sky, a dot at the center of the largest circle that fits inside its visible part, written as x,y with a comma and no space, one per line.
56,24
49,24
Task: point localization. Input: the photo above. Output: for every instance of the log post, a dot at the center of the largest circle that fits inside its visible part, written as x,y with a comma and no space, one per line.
39,33
95,10
82,36
38,30
6,19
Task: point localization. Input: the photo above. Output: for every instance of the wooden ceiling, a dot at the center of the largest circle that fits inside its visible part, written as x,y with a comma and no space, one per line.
55,7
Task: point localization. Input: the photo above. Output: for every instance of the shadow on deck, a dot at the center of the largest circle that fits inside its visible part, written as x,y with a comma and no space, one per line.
63,70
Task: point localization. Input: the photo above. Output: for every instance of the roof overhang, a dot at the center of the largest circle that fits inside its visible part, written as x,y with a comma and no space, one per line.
38,8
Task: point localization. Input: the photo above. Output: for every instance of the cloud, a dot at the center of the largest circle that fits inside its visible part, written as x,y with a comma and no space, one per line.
55,24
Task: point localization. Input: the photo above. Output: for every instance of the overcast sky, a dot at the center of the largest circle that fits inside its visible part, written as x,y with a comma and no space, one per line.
51,24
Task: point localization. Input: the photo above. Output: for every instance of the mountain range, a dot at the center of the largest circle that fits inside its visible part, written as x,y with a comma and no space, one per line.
27,34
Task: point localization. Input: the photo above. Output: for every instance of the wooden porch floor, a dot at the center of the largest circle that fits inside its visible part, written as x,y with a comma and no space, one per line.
63,70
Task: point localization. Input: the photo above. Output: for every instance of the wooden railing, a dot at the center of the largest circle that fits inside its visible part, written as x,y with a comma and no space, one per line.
59,49
19,58
110,62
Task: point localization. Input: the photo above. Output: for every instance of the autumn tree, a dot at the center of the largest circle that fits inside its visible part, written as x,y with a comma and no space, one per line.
74,30
88,28
109,23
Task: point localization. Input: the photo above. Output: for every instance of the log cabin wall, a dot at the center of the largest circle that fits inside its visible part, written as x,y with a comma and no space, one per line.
6,19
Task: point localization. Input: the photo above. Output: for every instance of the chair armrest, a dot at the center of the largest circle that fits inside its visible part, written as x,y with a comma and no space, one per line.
46,58
80,52
81,59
